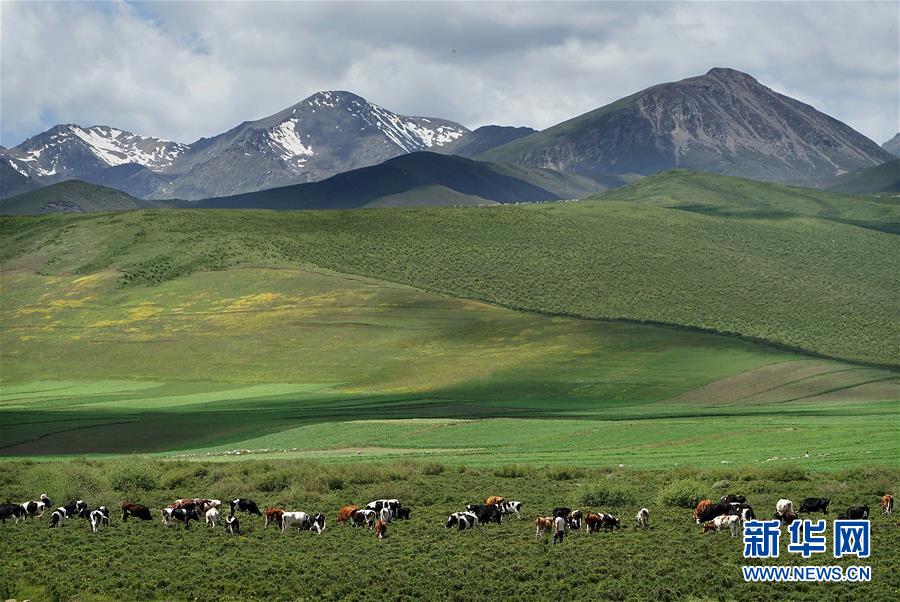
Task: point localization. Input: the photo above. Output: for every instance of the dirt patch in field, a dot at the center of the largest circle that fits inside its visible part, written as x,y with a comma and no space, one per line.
802,380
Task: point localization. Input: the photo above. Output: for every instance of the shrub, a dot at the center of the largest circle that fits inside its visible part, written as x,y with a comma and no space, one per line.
682,493
134,477
607,494
273,481
433,468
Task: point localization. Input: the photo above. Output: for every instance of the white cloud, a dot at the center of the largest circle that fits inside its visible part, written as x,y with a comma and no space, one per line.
190,69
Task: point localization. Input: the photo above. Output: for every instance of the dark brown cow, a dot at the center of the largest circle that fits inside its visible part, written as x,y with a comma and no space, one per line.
702,507
135,510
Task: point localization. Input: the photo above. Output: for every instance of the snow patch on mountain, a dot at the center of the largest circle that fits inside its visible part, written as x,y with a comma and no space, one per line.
285,140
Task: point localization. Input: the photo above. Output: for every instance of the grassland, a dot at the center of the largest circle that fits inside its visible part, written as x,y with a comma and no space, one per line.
822,283
420,559
309,363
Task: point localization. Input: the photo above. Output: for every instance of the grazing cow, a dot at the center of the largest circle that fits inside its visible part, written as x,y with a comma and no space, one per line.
493,500
593,522
344,514
232,525
364,517
857,512
463,520
403,513
610,522
75,508
33,508
485,513
206,505
643,518
99,517
392,505
381,529
574,519
783,506
562,511
212,517
273,516
135,510
719,523
747,513
542,524
713,511
15,511
303,522
733,499
244,505
510,507
786,518
180,515
702,507
386,514
58,518
887,504
814,504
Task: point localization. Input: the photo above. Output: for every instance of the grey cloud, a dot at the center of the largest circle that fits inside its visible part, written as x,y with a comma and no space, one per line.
190,69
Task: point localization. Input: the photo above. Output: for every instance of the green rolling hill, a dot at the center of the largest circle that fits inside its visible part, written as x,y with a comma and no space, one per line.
73,196
883,178
795,276
416,179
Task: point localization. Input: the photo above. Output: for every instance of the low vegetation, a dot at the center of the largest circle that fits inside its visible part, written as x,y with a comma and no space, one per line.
420,559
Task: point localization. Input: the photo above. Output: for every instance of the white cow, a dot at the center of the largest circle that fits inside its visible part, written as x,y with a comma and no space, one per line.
719,523
784,506
212,517
643,518
99,518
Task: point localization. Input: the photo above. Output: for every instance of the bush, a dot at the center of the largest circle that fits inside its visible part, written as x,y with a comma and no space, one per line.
273,481
567,474
134,478
433,468
607,494
682,493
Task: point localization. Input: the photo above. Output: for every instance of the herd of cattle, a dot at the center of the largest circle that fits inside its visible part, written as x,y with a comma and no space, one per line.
726,514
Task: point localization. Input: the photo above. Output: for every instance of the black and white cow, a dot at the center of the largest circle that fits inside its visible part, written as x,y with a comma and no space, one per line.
244,505
363,517
99,517
392,505
303,521
733,499
180,515
486,514
510,507
36,508
75,507
59,516
232,525
462,520
14,511
814,504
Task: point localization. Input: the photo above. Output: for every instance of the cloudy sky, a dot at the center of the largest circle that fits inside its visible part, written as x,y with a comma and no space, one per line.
190,69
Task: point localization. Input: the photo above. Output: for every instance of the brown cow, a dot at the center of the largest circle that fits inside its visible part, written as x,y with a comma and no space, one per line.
887,504
381,529
542,524
494,499
593,522
273,515
346,513
187,504
136,510
702,507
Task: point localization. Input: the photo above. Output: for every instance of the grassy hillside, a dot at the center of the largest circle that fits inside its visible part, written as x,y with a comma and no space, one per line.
421,559
807,282
73,196
313,364
417,179
748,199
881,178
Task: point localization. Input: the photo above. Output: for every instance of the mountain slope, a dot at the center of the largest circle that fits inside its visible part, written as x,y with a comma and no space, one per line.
69,151
881,178
723,122
484,139
72,196
13,182
416,179
325,134
893,145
